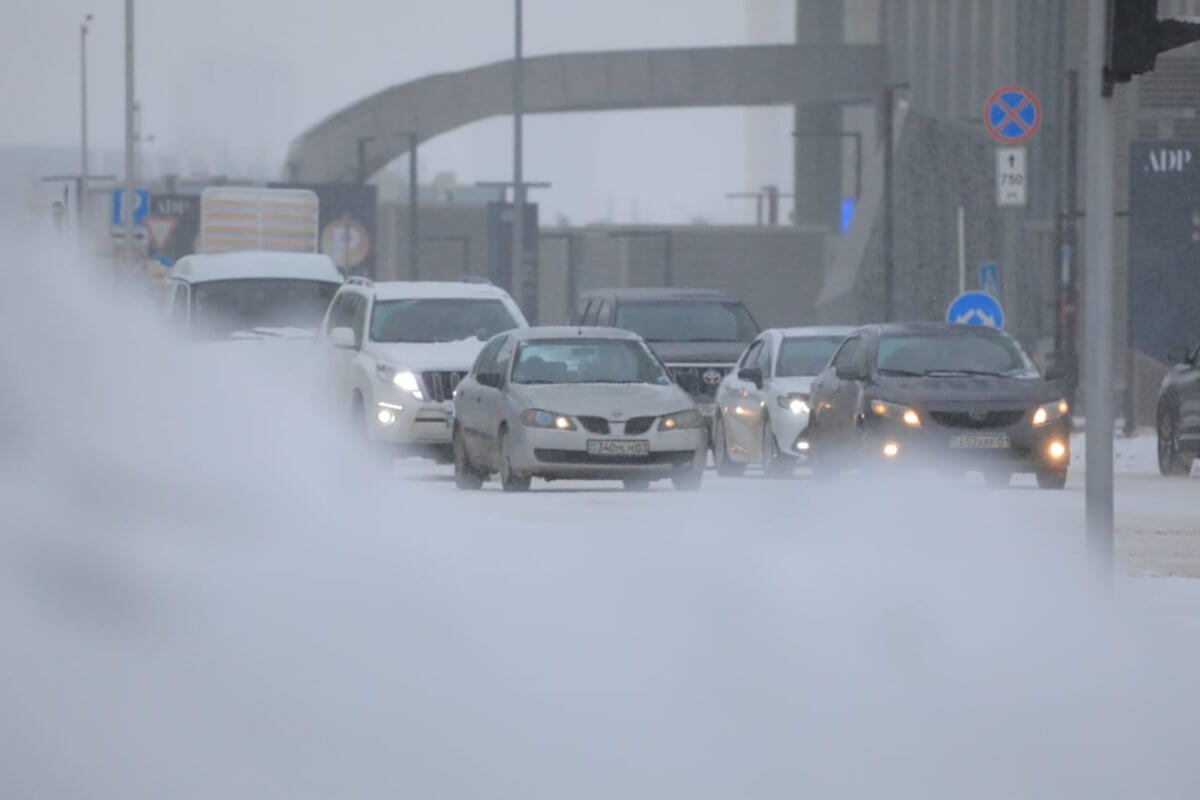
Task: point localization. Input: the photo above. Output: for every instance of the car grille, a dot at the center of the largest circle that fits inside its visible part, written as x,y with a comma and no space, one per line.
638,425
666,457
977,420
698,381
594,424
440,386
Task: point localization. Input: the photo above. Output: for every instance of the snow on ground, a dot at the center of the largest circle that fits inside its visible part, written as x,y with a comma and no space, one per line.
204,592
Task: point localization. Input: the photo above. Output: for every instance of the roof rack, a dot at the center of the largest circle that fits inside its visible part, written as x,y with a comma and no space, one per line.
359,280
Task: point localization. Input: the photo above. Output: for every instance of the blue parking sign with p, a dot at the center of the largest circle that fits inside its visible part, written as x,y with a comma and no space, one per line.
141,208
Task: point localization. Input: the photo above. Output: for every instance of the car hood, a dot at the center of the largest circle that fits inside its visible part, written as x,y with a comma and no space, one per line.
974,392
607,400
698,352
795,385
457,356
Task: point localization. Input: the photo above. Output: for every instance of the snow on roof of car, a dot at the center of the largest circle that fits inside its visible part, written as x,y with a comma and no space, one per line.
815,331
250,264
573,332
406,290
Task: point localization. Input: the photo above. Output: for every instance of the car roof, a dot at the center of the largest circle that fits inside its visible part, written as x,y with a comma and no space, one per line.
657,293
813,331
251,264
545,332
409,290
948,328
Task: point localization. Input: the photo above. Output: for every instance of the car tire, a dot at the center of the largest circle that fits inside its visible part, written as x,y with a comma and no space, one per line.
1047,479
773,464
687,481
465,475
726,467
636,484
1171,463
509,480
998,478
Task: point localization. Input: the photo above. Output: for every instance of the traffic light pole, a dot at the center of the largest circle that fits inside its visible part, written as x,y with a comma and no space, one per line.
1098,293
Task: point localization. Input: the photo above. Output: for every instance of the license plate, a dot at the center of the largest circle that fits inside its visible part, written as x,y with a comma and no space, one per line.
981,441
609,447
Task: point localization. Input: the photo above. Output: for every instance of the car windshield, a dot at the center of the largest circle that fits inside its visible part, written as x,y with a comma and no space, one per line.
588,361
439,320
960,352
222,308
805,356
687,320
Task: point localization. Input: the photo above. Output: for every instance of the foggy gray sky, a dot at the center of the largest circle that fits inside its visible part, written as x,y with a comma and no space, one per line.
237,79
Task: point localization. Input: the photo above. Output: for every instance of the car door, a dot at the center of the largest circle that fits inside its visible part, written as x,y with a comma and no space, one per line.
338,362
492,403
1189,402
850,390
468,405
829,396
742,401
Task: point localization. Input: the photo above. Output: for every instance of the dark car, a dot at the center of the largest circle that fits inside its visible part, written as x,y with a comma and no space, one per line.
1179,413
948,396
698,333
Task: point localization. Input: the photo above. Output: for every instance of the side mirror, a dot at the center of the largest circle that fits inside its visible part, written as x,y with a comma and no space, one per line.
1055,373
343,338
1177,355
752,374
846,372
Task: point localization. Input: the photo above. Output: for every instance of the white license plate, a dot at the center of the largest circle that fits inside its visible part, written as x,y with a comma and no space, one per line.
981,441
608,447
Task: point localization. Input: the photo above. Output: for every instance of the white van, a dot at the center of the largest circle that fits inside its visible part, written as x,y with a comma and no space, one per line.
250,294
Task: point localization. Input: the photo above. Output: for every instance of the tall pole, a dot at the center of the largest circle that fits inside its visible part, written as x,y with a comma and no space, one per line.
414,197
519,278
1098,291
1070,275
129,203
81,195
889,233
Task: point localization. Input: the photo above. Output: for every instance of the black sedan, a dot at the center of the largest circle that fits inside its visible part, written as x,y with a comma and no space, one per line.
939,395
1179,413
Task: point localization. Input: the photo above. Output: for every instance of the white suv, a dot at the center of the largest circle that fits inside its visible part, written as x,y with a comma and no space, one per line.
395,352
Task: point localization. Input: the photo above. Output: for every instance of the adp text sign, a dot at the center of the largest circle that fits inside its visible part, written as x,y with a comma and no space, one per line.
1012,114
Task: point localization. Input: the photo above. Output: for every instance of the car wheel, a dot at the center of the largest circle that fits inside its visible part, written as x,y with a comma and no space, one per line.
465,475
1051,480
1171,463
509,480
687,481
997,477
726,467
773,464
636,484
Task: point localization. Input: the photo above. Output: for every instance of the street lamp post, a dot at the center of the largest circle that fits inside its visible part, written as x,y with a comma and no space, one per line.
889,225
129,204
81,195
525,283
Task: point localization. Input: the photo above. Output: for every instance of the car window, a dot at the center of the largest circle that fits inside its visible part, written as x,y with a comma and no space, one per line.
340,312
762,360
803,356
226,307
487,357
958,351
438,319
574,361
847,352
579,313
604,314
504,356
589,318
358,318
750,355
687,320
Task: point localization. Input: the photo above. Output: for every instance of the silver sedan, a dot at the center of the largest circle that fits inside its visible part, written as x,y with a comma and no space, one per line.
762,410
574,403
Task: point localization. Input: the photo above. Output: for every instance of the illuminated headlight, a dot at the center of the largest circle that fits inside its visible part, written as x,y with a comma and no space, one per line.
682,420
536,418
796,403
400,378
891,450
386,416
1057,450
803,445
1050,412
909,416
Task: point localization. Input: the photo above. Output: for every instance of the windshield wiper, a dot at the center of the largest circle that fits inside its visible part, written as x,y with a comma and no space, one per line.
980,372
903,373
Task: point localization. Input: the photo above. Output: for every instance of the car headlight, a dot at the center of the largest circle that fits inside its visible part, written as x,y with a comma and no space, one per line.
537,418
795,403
1049,412
906,414
681,420
401,378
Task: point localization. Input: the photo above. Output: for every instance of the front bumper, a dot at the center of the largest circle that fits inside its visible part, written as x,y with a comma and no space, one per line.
1046,448
564,454
401,419
791,433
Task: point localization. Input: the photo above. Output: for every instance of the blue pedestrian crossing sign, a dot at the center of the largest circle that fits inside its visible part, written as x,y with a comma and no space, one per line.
976,308
140,211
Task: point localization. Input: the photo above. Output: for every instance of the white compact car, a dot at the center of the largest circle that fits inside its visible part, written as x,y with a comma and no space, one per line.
395,352
762,409
580,403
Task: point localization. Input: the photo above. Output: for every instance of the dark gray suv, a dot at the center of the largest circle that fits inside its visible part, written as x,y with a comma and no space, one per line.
698,333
